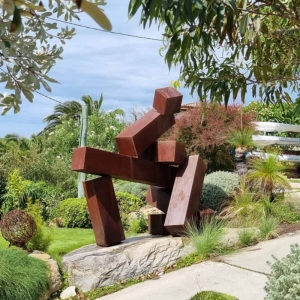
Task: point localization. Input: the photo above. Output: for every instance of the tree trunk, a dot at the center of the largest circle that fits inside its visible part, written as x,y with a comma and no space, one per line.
240,164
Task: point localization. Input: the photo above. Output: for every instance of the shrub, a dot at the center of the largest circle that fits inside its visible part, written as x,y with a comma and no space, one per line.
247,237
210,295
204,130
207,240
284,280
268,227
41,240
139,225
137,189
74,213
21,277
128,203
217,188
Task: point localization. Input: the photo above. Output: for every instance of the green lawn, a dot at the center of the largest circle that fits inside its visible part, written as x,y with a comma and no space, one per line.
66,240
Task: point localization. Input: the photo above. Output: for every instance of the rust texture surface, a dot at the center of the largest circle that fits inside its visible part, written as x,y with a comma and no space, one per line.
156,224
136,138
104,211
159,197
175,181
167,101
185,198
167,152
100,162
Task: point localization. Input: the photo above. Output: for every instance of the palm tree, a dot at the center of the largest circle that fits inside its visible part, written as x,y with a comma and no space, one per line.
241,139
269,173
71,110
16,143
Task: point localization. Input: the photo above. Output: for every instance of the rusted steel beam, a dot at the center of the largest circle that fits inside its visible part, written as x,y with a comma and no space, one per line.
167,152
136,138
185,198
100,162
167,101
159,197
170,152
156,224
104,211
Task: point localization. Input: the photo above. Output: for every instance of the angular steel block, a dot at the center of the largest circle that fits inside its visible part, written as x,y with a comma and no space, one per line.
159,197
185,198
167,152
104,211
156,224
170,152
136,138
167,101
100,162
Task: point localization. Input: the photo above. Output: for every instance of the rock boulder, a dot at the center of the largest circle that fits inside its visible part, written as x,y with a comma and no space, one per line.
55,279
93,266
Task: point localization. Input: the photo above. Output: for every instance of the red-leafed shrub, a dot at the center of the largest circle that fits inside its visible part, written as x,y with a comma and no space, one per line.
204,131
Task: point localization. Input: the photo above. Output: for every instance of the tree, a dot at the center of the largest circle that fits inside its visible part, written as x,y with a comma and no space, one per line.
226,48
241,139
14,142
269,173
204,130
71,110
26,54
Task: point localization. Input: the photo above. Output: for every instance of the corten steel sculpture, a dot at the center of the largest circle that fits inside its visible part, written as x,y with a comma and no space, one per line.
175,180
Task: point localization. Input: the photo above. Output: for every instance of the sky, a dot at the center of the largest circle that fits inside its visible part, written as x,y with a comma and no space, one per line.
127,70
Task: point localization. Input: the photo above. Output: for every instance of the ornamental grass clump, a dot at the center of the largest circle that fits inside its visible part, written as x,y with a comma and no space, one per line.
21,276
284,281
206,238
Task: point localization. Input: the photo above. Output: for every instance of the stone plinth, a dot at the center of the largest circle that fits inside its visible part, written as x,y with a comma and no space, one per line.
93,266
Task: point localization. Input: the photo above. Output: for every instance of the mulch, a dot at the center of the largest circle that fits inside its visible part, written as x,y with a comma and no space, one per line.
288,228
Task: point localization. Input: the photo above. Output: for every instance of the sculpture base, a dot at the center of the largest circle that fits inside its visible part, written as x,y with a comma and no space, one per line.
93,266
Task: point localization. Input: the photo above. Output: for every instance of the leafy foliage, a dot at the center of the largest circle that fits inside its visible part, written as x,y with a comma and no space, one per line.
217,188
226,48
204,130
137,189
268,172
28,274
138,225
41,240
71,110
128,203
15,190
26,52
241,138
285,113
74,213
283,282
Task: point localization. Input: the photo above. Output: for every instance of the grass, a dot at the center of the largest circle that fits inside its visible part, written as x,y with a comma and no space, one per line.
247,237
268,227
207,239
66,240
21,276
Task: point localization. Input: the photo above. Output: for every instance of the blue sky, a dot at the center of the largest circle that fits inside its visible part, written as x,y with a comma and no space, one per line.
127,70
